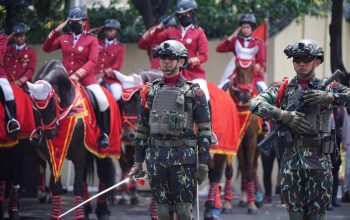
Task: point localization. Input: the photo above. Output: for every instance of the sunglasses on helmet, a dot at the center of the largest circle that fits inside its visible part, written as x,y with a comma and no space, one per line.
169,56
303,59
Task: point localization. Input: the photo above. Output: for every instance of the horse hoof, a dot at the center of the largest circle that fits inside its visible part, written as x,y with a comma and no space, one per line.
252,211
134,201
42,197
14,215
87,210
103,217
227,211
212,214
122,201
242,203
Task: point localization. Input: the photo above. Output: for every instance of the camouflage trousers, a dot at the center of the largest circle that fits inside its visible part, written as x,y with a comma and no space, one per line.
172,184
307,191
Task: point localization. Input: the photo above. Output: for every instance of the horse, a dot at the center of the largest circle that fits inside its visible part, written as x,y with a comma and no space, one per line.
69,127
14,151
225,125
242,88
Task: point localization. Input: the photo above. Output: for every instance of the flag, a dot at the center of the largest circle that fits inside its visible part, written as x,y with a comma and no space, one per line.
262,33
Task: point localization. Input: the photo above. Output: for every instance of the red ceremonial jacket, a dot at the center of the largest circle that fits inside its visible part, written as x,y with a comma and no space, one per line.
3,47
194,40
231,46
19,64
148,46
110,57
84,54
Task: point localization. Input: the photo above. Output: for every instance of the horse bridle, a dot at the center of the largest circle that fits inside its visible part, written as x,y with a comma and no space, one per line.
60,113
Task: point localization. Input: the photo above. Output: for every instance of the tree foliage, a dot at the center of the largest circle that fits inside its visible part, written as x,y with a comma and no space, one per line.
216,17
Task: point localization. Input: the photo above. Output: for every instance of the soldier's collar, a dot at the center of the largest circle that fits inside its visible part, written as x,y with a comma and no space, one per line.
313,82
180,82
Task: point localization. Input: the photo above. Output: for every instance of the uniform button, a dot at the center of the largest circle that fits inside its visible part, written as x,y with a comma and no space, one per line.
103,59
72,62
72,54
105,54
16,61
14,72
14,66
102,65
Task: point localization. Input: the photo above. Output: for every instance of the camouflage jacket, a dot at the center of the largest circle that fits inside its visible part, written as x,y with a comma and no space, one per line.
175,155
295,157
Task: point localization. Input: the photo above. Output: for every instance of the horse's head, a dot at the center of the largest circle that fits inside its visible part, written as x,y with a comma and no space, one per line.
130,102
52,94
242,85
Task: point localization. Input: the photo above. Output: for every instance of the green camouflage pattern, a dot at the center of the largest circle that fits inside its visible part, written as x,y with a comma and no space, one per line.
306,171
171,169
172,184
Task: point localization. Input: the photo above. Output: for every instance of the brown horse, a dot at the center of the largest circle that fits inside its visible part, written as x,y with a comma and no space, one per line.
242,88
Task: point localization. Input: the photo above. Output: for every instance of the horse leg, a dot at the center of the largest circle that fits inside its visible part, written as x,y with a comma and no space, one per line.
242,169
56,189
87,171
106,173
3,174
213,204
79,165
16,156
126,161
228,194
258,188
249,154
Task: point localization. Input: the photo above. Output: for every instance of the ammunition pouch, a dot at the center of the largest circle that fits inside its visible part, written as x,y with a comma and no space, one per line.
326,142
154,142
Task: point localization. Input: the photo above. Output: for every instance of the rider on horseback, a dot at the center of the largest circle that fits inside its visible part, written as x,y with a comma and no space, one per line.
80,56
20,58
243,44
111,56
12,126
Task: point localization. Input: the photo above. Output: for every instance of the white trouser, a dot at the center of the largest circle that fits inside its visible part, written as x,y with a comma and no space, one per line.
231,66
100,96
7,89
116,90
204,86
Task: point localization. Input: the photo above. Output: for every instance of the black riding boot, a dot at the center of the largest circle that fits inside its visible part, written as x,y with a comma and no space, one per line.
105,130
12,125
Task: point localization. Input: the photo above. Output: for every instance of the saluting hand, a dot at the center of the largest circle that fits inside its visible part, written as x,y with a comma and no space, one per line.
235,33
10,36
62,25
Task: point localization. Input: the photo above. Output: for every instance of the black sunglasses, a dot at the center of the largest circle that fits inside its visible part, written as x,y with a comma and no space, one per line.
168,56
303,59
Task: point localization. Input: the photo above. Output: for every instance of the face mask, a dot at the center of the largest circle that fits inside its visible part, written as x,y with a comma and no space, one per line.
75,27
185,21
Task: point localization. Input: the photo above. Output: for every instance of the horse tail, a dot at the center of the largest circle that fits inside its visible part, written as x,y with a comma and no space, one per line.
89,167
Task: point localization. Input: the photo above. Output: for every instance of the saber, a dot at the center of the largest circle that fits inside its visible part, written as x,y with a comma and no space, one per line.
97,195
197,202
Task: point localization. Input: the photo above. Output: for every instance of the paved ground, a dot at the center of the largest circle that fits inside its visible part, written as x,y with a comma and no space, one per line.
31,209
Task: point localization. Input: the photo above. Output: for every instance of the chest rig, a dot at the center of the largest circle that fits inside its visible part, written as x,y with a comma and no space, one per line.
317,115
171,111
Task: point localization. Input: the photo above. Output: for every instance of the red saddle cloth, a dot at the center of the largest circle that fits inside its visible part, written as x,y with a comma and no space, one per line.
25,117
225,121
83,110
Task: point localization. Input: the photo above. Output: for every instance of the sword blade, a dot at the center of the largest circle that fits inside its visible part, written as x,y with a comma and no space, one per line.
95,196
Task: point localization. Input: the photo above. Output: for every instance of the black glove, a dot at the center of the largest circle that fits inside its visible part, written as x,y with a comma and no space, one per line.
135,170
312,97
296,121
201,173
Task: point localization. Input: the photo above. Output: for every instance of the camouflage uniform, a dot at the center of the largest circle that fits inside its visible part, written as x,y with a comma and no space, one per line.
305,163
171,156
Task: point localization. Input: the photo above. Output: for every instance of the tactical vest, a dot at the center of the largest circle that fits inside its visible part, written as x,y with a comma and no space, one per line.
317,115
170,110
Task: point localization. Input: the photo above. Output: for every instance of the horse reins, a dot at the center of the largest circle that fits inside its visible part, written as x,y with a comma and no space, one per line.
60,113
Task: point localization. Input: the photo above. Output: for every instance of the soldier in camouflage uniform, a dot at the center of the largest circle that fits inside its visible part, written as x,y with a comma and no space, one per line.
166,138
305,163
